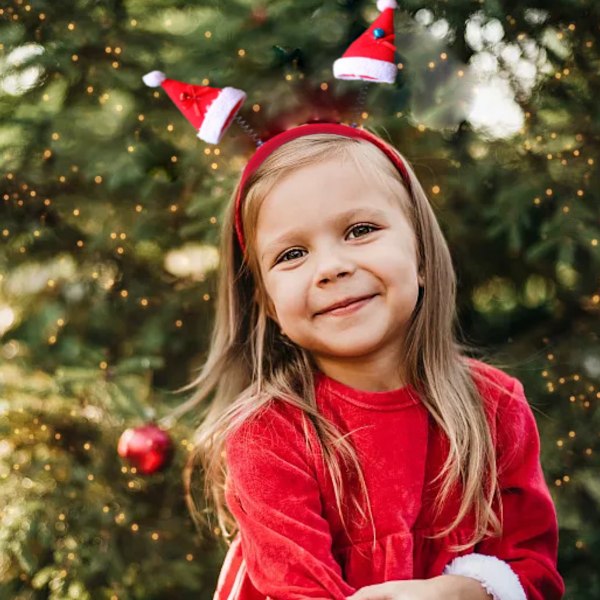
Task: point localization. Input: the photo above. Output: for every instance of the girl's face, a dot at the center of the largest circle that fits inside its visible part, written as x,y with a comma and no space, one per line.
324,235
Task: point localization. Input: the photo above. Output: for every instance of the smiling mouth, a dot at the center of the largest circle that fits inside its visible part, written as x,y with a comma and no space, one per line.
348,308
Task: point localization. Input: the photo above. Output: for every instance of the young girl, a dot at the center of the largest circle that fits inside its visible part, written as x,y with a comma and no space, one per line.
351,448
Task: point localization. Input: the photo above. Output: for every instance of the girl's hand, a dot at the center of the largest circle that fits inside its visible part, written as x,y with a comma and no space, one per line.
414,589
444,587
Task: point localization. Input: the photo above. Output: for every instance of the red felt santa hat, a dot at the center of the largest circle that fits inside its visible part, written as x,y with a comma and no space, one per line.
371,56
210,110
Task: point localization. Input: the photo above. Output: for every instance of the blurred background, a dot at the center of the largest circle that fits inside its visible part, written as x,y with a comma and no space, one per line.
111,209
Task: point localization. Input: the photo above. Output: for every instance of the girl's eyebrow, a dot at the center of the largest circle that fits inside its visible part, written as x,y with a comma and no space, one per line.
363,211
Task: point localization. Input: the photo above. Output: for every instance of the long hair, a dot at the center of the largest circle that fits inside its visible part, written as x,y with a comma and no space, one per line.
249,364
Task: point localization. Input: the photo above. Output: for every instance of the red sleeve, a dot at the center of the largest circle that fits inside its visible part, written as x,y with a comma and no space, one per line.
274,496
529,544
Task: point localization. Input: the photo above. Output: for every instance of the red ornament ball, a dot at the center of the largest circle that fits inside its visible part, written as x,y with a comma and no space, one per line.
148,448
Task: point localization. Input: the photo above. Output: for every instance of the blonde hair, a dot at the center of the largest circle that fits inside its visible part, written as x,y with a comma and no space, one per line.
249,364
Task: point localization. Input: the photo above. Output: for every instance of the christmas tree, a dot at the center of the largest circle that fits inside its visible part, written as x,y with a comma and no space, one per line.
110,217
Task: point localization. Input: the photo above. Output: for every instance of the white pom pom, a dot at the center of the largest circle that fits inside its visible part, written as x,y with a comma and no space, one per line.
154,78
383,4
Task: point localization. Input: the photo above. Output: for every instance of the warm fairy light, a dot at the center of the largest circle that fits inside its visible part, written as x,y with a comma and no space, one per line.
103,365
572,434
173,208
178,323
594,242
138,208
74,58
241,52
42,16
115,64
90,477
105,509
98,179
461,73
206,81
324,86
123,236
571,26
173,159
76,212
214,166
71,26
580,193
288,77
400,66
55,136
207,34
5,232
435,189
46,97
364,115
207,151
133,22
87,446
560,443
120,250
206,297
189,557
119,108
144,301
443,56
213,220
558,75
549,192
549,156
141,117
124,293
60,323
51,283
113,235
135,527
431,65
117,50
170,127
52,339
47,153
217,151
130,149
590,161
36,233
421,127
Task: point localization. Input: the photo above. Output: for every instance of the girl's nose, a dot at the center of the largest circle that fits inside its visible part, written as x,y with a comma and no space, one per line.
333,265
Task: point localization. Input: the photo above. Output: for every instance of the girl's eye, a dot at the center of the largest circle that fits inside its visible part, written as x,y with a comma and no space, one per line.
361,226
282,257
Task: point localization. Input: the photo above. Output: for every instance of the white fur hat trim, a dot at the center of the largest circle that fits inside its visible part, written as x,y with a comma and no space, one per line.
217,114
356,67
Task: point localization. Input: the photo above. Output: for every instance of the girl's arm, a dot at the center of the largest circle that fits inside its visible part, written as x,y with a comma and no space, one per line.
521,564
275,498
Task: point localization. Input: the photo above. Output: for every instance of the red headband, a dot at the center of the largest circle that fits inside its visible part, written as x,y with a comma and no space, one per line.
273,143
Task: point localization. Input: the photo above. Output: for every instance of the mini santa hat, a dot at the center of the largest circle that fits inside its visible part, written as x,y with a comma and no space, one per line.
371,56
210,110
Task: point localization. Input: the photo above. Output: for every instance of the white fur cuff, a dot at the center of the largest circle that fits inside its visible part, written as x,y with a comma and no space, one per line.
494,574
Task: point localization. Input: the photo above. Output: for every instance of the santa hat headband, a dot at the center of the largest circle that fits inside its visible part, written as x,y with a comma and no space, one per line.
370,58
267,148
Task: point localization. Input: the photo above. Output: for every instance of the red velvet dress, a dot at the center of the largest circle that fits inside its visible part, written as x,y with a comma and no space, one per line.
292,545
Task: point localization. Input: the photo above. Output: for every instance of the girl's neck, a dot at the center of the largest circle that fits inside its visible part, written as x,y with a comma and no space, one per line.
369,376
